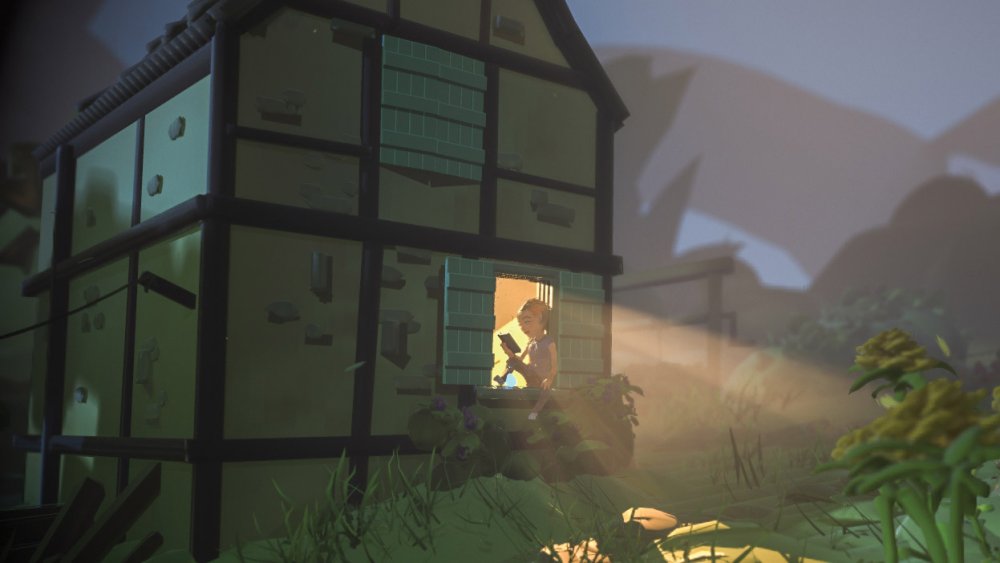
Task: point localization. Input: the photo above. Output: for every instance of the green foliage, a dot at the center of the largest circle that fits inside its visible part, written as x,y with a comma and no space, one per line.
393,509
471,442
860,314
923,450
614,397
593,434
893,356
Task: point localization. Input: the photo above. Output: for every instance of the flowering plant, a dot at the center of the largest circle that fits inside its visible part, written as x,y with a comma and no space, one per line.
458,434
593,431
923,450
614,396
895,357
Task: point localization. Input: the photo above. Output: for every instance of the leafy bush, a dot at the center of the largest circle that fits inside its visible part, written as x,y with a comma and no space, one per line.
471,442
592,434
923,450
860,314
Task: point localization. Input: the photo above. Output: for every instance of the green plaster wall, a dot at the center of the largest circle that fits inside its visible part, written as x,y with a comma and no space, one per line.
181,164
95,353
248,493
537,41
47,223
460,17
550,127
73,469
276,384
391,411
404,199
166,333
39,364
105,179
170,513
297,177
294,78
516,219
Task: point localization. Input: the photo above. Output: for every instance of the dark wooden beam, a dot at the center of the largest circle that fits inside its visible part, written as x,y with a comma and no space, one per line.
213,312
485,15
73,520
152,230
171,83
390,24
676,273
298,141
231,450
321,223
604,175
164,449
366,350
145,549
55,368
118,518
488,191
371,126
131,299
550,183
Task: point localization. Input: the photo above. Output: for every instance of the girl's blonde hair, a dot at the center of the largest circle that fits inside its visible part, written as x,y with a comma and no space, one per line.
538,306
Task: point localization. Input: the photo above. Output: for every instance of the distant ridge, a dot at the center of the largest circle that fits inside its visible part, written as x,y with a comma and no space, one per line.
792,168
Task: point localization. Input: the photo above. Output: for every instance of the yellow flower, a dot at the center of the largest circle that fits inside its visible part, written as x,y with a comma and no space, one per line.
935,414
893,349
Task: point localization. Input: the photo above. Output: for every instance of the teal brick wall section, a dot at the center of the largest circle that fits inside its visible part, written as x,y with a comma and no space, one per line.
581,328
468,321
432,109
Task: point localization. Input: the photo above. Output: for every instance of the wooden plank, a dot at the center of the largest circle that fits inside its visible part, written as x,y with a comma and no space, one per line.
118,518
688,271
72,521
146,548
27,530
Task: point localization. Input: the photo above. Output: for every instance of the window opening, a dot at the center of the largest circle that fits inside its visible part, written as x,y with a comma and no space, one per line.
511,293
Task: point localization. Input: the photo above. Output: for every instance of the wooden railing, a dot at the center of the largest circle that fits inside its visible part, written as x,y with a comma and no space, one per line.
712,271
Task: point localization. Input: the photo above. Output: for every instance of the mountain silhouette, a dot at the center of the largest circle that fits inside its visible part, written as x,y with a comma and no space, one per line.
978,136
855,199
787,166
48,63
942,237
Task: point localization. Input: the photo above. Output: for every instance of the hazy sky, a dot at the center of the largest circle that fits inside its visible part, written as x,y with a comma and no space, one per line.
923,64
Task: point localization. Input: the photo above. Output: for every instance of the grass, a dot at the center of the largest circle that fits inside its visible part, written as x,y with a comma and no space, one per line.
743,489
785,513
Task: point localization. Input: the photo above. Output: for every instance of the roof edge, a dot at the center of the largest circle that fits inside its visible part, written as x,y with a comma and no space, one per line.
578,52
180,40
184,37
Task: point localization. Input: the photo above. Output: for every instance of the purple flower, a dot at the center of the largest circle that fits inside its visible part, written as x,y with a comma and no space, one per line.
471,420
438,404
461,452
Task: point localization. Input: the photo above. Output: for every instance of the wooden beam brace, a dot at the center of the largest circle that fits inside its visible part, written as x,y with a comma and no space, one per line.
118,518
72,521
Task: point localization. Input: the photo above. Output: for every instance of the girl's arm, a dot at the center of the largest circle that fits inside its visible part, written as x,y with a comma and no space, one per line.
550,377
511,354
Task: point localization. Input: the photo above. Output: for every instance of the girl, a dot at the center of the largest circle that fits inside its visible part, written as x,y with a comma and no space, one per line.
540,370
